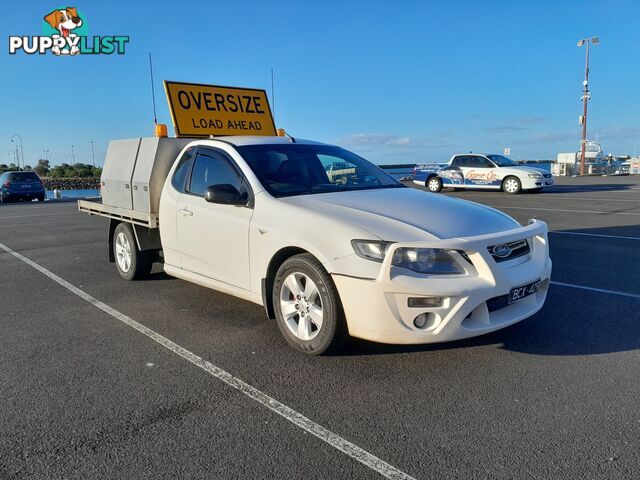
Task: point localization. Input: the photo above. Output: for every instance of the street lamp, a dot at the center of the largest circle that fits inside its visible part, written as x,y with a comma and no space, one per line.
93,155
46,154
73,156
21,149
586,96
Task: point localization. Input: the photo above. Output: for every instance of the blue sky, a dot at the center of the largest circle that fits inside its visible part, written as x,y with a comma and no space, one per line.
394,81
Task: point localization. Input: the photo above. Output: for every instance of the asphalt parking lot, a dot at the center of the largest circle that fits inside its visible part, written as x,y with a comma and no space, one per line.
85,395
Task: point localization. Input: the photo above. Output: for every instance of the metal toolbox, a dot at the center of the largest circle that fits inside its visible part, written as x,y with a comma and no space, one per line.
135,170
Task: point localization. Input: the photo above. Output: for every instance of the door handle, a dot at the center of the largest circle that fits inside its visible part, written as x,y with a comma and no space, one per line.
186,212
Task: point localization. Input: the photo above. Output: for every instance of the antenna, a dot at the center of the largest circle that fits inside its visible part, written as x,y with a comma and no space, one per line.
153,92
273,94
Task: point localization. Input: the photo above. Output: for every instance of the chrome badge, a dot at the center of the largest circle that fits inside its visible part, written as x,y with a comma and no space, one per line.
501,250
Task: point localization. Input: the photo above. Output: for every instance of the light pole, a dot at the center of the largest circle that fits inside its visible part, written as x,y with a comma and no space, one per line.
93,155
586,96
21,149
73,157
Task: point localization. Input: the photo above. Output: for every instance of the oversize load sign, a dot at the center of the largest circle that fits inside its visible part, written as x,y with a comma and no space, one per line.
201,110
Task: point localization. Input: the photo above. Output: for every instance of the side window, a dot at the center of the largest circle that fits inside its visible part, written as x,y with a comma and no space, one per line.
211,169
458,162
480,162
180,173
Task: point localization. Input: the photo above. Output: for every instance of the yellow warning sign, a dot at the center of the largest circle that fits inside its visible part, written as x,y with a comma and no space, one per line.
201,110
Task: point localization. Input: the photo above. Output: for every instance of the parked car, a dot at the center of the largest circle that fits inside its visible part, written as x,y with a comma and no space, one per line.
482,171
21,186
259,218
340,172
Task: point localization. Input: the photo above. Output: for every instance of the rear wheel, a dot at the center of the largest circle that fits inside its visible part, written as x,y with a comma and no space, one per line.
41,198
511,185
434,184
307,306
132,264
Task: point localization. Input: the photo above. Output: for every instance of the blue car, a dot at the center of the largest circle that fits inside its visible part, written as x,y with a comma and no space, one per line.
21,186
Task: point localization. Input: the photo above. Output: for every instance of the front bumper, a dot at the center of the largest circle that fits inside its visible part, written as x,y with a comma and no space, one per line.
533,183
378,310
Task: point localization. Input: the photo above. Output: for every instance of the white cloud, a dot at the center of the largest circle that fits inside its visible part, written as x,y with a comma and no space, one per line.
377,140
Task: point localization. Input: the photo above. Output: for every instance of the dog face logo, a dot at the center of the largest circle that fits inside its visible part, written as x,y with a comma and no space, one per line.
65,20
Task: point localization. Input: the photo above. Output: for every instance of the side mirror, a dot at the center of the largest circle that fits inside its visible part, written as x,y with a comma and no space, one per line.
225,194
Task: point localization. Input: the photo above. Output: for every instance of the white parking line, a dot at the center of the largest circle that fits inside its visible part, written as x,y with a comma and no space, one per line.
600,290
562,210
37,215
594,235
272,404
556,198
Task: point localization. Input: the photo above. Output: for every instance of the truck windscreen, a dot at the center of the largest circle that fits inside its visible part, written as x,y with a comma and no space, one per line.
299,169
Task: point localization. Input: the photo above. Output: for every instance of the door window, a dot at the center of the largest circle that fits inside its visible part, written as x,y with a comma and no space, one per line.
460,162
479,162
180,173
212,169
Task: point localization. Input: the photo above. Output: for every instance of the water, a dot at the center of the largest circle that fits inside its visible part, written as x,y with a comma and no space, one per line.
399,173
74,193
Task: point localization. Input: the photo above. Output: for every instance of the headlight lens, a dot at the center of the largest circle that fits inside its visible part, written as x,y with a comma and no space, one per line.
371,249
535,175
426,260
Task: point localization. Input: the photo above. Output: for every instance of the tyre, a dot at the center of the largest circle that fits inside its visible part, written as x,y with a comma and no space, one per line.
307,306
132,264
434,184
41,198
511,185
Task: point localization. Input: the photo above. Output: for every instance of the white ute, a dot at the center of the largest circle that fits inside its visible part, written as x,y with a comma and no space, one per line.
258,218
482,171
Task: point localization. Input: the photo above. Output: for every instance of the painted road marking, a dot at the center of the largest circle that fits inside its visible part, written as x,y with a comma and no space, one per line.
38,215
272,404
561,210
595,235
600,290
555,197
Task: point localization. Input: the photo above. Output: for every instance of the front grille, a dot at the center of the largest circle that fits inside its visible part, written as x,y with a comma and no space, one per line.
517,249
547,175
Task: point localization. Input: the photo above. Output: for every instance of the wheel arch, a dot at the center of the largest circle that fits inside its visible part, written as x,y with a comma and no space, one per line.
274,264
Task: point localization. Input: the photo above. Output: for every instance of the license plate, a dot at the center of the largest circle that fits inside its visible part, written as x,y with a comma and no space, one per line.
518,293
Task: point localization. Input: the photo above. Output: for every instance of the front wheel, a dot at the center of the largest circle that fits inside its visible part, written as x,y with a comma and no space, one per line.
307,306
511,185
132,264
434,184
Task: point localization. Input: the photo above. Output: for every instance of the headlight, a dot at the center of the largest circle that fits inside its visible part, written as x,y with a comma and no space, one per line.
371,249
535,175
426,260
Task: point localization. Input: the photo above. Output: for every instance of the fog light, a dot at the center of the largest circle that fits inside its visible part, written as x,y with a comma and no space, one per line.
424,320
424,302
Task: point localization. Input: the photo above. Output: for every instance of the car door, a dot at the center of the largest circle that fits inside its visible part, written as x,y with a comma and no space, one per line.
480,172
214,238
